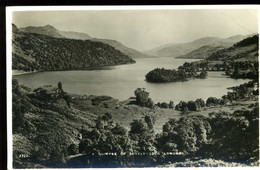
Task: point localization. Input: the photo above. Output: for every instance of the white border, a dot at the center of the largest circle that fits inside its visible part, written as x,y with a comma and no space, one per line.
9,86
139,7
10,10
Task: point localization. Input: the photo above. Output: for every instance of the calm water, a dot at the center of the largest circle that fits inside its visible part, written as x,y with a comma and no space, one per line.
121,81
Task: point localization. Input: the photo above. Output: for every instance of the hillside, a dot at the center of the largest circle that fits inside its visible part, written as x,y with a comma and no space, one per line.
47,122
126,50
175,50
247,49
53,32
54,129
45,53
201,53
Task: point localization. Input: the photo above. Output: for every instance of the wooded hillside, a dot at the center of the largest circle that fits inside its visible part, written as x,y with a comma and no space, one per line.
43,53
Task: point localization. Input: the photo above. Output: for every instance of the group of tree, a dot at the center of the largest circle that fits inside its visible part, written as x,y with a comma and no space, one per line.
184,73
243,69
165,105
234,69
186,135
190,105
39,52
142,98
246,49
242,92
108,137
226,136
235,136
222,135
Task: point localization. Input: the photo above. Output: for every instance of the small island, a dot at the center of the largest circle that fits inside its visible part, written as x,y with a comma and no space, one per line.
183,73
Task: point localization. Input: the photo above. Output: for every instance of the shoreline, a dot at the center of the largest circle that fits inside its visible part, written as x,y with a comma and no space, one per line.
21,72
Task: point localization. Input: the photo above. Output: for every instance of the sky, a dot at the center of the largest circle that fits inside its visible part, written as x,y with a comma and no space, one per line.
146,29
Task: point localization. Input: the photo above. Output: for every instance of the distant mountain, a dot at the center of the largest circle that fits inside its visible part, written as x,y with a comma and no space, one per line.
43,30
14,28
154,51
126,50
40,52
247,49
201,53
53,32
175,50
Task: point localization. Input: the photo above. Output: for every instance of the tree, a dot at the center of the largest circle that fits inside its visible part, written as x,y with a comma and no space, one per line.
60,85
187,135
182,106
164,105
171,105
192,106
105,137
212,101
200,103
142,98
141,135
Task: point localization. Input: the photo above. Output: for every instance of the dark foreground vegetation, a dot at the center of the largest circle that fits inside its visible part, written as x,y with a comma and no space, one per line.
54,129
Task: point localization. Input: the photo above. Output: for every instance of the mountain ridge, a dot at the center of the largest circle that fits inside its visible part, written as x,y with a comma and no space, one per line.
180,49
53,32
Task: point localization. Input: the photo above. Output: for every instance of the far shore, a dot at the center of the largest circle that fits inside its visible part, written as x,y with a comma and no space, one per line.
20,72
104,67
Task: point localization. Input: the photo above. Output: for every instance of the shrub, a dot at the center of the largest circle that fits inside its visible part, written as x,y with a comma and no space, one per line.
171,105
212,101
192,106
200,103
164,105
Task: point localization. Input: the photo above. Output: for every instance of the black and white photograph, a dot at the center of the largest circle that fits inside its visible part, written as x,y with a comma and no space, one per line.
133,86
